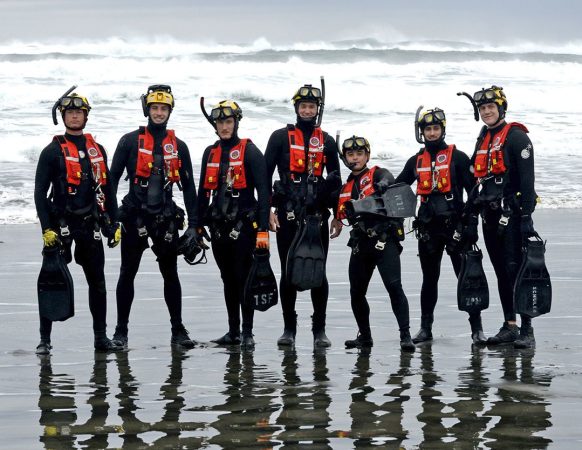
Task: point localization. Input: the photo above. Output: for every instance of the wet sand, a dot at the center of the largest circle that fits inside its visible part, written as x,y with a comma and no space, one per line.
446,395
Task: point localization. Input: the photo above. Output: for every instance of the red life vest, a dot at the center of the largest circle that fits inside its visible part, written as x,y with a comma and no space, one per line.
73,165
437,178
236,167
315,156
489,155
145,155
365,186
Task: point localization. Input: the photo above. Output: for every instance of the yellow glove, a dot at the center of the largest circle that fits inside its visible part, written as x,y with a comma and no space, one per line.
114,240
50,238
262,239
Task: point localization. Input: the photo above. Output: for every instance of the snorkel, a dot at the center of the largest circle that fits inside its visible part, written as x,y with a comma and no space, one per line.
417,133
475,108
58,102
320,115
206,114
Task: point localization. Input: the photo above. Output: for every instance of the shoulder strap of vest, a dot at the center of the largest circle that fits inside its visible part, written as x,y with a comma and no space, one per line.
60,139
142,129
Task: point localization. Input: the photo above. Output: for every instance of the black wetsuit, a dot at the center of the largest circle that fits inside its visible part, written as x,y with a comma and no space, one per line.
79,213
151,208
292,196
438,218
504,243
366,257
246,216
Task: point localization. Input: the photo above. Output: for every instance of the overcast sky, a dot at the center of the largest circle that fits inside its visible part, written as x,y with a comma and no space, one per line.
228,21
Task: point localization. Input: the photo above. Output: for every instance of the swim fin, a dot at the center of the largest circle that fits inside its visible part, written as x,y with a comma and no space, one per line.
55,286
472,288
398,201
532,292
306,257
261,286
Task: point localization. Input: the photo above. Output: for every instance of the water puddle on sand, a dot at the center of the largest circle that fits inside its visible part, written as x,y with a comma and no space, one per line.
296,399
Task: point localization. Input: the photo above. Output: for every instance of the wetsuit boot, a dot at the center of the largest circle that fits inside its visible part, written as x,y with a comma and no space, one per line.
44,347
319,337
288,336
104,344
362,340
120,336
477,330
232,337
406,343
180,337
526,337
425,332
506,335
247,341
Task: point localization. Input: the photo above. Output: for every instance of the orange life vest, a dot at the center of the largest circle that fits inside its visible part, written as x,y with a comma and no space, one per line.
145,155
73,165
236,167
489,155
366,188
437,178
315,156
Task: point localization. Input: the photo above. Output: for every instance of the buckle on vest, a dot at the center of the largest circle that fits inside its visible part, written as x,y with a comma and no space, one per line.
234,234
143,183
290,215
380,245
498,180
449,197
234,194
96,235
142,231
65,231
168,237
503,221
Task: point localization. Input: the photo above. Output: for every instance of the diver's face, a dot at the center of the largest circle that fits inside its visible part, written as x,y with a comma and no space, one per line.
432,133
307,110
159,113
357,159
489,114
225,128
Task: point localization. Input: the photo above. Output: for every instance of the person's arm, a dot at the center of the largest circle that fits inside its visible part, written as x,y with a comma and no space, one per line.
110,197
47,166
408,174
257,169
188,186
203,194
272,152
332,159
522,151
463,176
119,162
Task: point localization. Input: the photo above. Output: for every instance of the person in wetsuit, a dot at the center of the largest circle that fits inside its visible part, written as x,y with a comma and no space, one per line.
155,161
300,153
375,242
503,167
232,168
80,207
442,173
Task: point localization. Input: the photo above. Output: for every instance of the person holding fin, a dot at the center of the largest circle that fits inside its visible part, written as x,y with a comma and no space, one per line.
441,172
301,198
232,169
155,161
503,168
80,208
375,242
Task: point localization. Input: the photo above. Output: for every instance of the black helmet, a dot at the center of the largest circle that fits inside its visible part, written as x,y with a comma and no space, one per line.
494,94
356,143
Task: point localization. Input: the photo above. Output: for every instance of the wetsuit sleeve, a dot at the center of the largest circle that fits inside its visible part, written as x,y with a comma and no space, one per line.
46,168
203,194
463,177
521,151
119,163
188,186
255,162
110,197
332,159
272,153
408,174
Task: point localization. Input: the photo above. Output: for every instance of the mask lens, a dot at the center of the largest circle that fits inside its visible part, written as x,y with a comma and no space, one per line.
489,95
77,102
65,101
439,115
361,142
316,92
478,96
215,113
348,143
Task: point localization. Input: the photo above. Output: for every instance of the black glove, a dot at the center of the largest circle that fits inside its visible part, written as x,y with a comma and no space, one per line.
470,234
381,186
526,226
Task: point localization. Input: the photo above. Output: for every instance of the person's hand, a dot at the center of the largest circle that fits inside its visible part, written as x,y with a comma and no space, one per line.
273,222
202,234
526,226
50,238
114,236
470,234
262,239
335,228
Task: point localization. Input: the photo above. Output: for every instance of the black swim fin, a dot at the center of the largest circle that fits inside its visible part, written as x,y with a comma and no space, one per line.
55,286
306,257
472,288
398,201
532,292
261,286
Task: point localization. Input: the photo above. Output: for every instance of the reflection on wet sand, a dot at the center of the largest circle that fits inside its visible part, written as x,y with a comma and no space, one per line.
495,399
